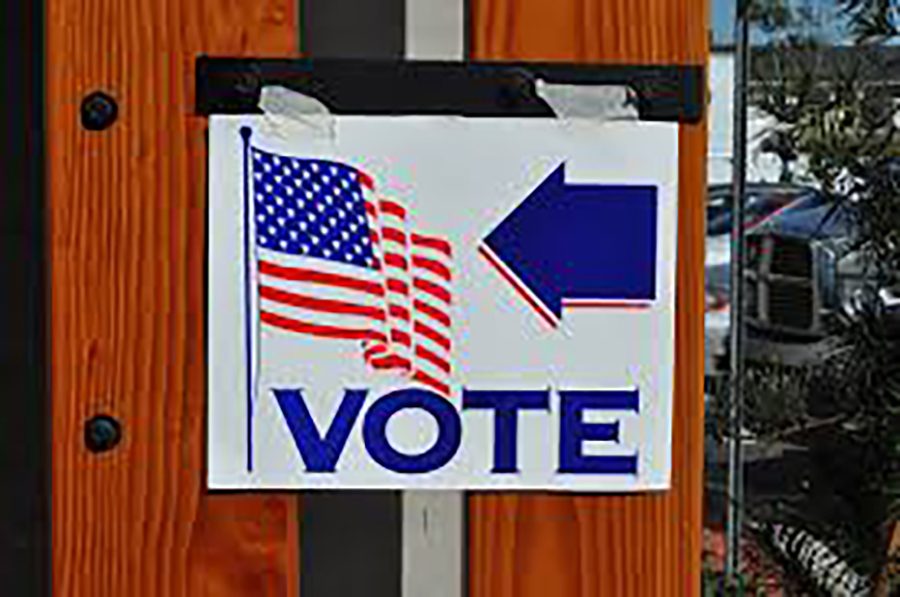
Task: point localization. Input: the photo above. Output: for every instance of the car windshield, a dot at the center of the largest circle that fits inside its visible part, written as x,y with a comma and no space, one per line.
814,219
803,203
760,204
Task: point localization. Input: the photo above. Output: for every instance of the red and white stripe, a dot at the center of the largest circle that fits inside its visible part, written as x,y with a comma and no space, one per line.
331,300
417,273
432,300
388,235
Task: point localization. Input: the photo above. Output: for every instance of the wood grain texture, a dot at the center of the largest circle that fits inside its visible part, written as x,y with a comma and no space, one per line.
537,545
127,310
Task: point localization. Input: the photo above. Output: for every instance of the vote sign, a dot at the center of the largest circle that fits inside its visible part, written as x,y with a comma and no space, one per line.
441,302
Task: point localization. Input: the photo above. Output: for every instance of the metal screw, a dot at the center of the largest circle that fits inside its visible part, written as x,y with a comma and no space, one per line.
102,433
98,111
249,81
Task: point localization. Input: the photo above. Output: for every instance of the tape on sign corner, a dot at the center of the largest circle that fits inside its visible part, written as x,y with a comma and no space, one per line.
589,103
284,109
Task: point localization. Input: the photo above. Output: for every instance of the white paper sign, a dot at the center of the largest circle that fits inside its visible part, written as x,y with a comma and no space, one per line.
441,302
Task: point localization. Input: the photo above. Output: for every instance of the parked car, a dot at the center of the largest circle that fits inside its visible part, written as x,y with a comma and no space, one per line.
803,274
763,202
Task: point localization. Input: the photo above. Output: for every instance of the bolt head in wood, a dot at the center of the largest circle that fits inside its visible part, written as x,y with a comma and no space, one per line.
98,111
102,433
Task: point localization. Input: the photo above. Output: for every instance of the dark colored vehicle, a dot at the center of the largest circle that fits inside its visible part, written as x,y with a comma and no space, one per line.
803,274
764,202
761,201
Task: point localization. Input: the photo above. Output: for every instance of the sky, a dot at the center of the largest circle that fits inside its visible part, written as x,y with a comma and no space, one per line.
722,20
723,17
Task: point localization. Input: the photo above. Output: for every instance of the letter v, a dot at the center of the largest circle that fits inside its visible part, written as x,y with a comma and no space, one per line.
319,454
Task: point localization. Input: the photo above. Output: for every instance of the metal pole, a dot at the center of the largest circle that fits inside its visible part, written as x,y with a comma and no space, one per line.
736,414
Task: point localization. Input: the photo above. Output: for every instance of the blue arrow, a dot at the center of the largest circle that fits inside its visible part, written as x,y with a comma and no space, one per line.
579,241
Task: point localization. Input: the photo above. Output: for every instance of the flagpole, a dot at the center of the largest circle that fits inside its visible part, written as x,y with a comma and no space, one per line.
248,327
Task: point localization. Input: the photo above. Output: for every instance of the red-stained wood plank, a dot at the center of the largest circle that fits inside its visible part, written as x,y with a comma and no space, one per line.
524,545
127,312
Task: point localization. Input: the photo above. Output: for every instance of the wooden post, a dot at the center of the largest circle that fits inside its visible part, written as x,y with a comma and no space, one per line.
126,211
648,544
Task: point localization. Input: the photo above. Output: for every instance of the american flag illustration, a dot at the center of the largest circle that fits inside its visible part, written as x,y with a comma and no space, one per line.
339,261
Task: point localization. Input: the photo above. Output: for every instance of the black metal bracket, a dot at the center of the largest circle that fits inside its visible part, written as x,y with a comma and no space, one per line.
232,86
